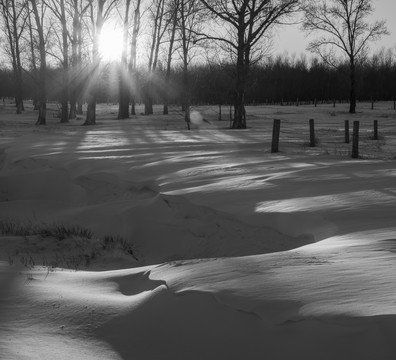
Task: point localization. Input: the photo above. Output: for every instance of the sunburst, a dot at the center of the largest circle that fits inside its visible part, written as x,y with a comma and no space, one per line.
110,44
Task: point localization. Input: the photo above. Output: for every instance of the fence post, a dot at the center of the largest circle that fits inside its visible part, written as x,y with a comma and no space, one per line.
231,116
346,131
375,137
219,112
311,132
372,104
355,143
275,136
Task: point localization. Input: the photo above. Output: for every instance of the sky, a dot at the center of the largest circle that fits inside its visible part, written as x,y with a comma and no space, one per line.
292,39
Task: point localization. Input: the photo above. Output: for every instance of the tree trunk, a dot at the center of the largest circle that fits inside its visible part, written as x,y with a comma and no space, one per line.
148,103
352,99
42,116
74,62
124,95
169,62
239,101
10,19
19,87
132,63
123,81
65,75
153,58
95,69
33,60
186,83
186,94
91,109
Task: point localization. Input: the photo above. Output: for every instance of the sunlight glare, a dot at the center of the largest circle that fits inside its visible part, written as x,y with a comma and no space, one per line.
110,44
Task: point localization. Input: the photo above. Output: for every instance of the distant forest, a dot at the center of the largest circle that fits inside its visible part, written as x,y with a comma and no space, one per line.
278,79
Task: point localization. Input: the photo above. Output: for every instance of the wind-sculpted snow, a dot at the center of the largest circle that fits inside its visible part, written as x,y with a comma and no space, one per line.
161,227
303,283
237,253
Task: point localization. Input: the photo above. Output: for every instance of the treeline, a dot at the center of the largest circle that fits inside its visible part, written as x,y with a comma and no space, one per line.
288,79
283,78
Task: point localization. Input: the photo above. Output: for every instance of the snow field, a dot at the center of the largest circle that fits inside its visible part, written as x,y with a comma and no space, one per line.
242,254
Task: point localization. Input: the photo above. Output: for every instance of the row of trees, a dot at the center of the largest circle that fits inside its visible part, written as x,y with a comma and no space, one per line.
283,78
235,35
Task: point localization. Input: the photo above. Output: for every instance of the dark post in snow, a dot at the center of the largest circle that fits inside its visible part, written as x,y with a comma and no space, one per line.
315,102
372,104
311,132
346,131
375,137
275,136
334,102
355,142
220,112
230,116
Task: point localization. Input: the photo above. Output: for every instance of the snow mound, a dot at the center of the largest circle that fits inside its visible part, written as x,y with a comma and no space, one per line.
161,227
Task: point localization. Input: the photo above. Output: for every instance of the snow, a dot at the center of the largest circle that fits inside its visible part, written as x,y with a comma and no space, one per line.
237,253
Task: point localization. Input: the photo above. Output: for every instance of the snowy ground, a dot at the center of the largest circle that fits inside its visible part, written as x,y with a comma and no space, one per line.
224,250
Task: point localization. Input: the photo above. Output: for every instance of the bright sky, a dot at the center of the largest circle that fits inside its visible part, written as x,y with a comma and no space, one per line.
292,39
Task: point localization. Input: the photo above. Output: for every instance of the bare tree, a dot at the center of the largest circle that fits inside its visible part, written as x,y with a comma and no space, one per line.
160,25
190,24
75,7
244,23
346,30
39,10
103,9
133,57
174,18
124,93
78,9
15,18
33,57
59,10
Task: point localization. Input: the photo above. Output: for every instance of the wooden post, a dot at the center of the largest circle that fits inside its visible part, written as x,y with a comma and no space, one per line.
311,132
355,142
372,104
220,112
275,136
316,103
297,102
346,131
375,137
334,102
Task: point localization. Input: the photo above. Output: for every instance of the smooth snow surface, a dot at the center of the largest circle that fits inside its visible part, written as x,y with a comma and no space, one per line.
228,251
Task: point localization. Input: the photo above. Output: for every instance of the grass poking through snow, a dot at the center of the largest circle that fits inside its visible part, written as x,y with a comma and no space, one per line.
60,245
58,231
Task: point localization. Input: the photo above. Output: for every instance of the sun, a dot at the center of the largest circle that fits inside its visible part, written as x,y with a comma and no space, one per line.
110,44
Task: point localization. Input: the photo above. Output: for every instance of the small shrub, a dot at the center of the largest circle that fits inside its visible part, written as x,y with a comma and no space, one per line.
111,242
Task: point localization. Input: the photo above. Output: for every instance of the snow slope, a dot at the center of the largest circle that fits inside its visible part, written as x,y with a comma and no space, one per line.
238,253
